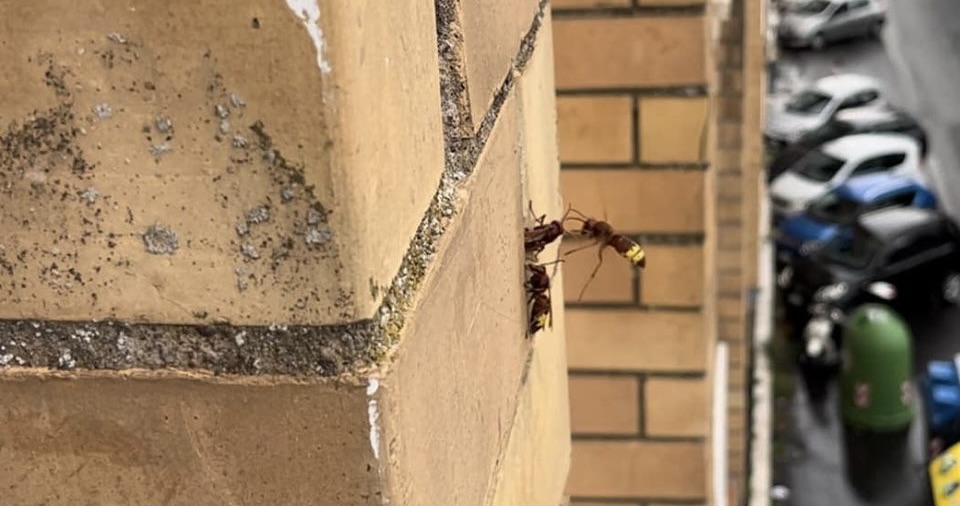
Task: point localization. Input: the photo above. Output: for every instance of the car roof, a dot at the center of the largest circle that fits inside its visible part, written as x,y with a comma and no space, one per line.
868,115
889,223
857,146
845,84
868,187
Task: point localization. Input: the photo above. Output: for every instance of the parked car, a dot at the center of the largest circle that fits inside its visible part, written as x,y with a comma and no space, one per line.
832,164
812,106
916,251
849,122
804,232
816,23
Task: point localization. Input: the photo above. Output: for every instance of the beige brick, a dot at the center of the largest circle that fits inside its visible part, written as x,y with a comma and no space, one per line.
490,53
736,442
587,4
728,283
612,469
729,185
636,201
613,283
595,129
604,404
730,109
673,277
726,159
675,504
736,419
675,407
730,307
729,260
670,3
673,129
733,328
729,210
635,340
592,503
730,237
729,135
630,52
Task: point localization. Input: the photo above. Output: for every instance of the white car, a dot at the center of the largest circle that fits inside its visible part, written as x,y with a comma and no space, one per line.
836,161
812,106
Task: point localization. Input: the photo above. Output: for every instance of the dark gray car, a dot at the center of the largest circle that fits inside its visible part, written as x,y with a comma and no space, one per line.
816,23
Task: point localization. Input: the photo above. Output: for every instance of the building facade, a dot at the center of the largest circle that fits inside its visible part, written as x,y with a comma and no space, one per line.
658,117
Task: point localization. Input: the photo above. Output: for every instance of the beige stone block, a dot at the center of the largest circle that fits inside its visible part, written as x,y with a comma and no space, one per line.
613,283
674,276
637,201
635,340
489,54
467,328
611,469
331,136
604,404
536,460
539,115
675,407
630,52
152,439
595,129
673,129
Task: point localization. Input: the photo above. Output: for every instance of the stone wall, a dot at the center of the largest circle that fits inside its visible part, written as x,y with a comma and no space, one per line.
272,254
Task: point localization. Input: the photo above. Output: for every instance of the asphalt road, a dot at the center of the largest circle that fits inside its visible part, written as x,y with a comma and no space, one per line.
918,61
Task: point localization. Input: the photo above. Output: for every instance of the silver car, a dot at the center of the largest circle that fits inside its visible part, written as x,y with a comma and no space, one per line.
816,23
812,106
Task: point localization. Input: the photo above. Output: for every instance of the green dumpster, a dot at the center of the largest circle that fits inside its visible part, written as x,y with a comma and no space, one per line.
876,393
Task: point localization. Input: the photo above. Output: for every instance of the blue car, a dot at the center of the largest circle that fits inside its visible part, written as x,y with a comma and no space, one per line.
804,232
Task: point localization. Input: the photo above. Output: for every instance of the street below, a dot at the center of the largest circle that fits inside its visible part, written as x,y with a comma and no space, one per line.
918,63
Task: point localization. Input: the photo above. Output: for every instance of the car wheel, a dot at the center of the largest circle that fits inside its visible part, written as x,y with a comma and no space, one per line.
818,43
950,291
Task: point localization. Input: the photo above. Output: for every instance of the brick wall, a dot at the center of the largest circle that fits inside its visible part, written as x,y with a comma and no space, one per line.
656,137
633,120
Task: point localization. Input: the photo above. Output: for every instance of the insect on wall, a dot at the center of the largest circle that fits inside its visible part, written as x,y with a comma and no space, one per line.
535,239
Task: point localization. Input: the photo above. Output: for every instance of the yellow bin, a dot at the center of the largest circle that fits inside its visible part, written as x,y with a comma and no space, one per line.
945,477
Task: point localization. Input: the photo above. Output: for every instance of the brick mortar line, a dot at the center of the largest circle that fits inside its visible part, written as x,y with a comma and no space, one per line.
698,90
642,166
629,438
637,373
691,10
631,500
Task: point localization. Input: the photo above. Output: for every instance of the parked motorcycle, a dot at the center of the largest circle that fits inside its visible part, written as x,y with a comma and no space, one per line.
821,350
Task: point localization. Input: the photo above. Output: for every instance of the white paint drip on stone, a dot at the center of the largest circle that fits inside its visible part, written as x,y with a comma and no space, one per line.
309,12
373,413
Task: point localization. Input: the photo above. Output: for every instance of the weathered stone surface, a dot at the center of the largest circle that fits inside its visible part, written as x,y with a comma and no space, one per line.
178,162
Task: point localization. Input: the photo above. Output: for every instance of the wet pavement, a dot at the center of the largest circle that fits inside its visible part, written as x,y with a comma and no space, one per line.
918,61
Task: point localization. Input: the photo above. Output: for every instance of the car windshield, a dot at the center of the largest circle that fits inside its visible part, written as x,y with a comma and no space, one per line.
818,166
833,208
854,251
812,7
808,102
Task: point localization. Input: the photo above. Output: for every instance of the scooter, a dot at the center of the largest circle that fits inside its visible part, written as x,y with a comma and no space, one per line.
822,337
